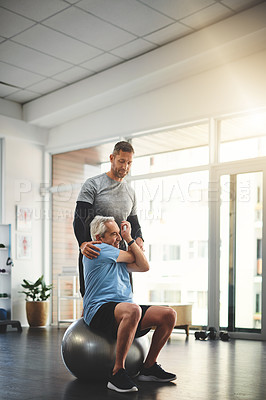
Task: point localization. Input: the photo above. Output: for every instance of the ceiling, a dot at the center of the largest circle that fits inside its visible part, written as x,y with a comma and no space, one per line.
46,45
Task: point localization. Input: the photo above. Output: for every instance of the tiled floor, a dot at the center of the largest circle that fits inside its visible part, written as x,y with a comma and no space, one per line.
31,368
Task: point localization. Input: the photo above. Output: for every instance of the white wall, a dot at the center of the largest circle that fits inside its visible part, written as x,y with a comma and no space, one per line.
23,174
10,109
13,126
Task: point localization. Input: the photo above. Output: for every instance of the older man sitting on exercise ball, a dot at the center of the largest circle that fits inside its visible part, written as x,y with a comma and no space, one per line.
109,307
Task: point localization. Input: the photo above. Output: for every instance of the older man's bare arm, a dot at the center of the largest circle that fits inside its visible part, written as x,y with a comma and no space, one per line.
135,257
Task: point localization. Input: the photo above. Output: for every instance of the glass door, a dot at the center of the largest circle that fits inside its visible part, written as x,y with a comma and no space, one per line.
241,242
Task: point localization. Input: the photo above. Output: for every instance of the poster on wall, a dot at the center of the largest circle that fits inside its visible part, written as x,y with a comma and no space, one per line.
24,247
24,218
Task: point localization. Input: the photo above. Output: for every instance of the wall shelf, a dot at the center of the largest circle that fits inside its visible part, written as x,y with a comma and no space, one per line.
74,297
5,277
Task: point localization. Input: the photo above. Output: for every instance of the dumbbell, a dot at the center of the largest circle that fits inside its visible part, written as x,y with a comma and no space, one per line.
224,336
201,335
212,334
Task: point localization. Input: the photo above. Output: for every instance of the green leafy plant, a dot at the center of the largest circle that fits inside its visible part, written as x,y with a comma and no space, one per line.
37,291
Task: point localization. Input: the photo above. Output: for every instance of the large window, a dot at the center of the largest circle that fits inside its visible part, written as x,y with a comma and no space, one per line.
173,210
174,217
241,222
241,251
171,149
243,137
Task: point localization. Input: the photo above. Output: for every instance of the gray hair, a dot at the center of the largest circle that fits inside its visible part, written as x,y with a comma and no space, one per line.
98,226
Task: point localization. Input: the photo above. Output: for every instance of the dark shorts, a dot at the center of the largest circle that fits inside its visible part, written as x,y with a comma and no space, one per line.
104,320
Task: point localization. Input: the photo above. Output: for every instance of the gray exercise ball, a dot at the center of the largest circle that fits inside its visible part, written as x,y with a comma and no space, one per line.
90,356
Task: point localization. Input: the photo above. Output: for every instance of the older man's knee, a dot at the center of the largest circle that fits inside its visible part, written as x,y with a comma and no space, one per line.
134,312
170,316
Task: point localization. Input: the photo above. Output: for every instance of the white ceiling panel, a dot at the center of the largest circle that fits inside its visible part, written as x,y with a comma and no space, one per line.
168,34
35,9
23,96
71,1
11,24
178,9
73,74
56,44
91,30
127,14
238,5
46,86
30,60
6,90
17,76
208,15
101,62
134,48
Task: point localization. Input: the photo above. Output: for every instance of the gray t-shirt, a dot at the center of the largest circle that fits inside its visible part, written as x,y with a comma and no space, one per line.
109,197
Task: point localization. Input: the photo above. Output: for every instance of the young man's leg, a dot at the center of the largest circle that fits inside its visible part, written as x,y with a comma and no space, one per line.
127,316
163,319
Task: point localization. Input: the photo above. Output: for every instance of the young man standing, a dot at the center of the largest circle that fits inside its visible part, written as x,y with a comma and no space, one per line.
109,307
106,194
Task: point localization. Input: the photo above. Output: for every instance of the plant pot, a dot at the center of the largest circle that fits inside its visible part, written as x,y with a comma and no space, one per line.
37,312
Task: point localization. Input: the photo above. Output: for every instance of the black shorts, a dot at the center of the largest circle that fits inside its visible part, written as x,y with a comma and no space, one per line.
104,321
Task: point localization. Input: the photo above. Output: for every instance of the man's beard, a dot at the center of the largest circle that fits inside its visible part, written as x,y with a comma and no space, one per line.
120,174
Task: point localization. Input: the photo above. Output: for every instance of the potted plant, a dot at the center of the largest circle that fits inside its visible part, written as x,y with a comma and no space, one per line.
37,294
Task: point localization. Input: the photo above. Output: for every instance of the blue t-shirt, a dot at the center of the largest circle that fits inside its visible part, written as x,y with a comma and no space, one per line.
105,280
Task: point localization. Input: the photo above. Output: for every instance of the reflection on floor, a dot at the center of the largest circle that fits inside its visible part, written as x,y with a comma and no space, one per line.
31,368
